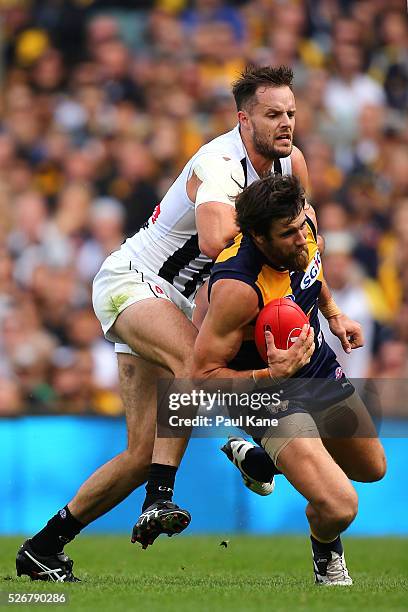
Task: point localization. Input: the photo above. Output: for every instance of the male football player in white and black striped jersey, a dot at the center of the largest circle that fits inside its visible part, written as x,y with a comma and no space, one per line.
143,298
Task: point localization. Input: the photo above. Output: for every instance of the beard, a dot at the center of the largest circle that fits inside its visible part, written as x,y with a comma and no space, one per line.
264,148
296,261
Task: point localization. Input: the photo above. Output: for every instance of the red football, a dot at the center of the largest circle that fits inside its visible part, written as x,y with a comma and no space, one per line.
285,318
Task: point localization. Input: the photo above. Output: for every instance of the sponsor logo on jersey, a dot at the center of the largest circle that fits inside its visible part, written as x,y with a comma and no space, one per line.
338,373
312,272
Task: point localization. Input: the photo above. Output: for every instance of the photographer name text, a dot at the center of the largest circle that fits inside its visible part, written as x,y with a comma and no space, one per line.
222,421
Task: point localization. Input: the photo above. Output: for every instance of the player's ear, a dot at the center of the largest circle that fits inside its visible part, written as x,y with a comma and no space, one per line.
259,240
243,118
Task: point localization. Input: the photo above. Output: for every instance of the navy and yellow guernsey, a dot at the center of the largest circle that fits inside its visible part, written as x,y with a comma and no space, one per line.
242,260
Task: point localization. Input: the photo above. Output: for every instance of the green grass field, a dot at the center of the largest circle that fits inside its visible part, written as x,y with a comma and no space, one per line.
196,574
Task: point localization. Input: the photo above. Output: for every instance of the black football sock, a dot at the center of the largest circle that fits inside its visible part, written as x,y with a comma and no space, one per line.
258,465
323,547
60,529
160,484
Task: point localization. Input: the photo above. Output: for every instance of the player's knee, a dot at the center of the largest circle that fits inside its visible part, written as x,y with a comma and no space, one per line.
139,459
377,468
340,510
372,469
183,367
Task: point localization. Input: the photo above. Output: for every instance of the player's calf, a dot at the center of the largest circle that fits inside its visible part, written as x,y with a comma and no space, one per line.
332,500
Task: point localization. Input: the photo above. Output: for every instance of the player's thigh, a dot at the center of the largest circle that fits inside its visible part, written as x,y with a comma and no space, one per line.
311,470
297,450
362,459
138,380
159,332
349,435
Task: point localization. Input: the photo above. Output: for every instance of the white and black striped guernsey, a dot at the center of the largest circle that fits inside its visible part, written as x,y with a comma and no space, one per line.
168,243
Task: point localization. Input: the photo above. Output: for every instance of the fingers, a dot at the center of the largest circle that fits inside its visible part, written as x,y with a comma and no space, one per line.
348,332
269,340
309,349
342,336
306,329
310,337
286,362
305,340
346,345
356,338
356,343
303,349
306,345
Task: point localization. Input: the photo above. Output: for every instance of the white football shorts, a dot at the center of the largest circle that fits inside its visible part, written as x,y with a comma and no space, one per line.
122,282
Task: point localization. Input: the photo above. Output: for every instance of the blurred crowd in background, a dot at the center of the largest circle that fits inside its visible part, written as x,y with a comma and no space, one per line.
102,103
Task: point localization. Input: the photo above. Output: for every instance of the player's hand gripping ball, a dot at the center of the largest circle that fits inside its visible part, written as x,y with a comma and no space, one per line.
285,319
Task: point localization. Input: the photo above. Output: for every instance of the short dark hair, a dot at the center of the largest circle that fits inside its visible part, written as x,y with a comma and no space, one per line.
244,88
269,199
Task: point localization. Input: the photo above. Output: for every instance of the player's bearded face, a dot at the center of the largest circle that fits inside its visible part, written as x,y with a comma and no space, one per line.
264,145
272,121
290,257
286,246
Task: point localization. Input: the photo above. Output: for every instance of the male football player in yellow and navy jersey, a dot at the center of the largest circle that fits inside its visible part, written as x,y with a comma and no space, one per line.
274,256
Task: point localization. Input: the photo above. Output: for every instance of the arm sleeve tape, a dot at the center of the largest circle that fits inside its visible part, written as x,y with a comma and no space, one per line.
221,179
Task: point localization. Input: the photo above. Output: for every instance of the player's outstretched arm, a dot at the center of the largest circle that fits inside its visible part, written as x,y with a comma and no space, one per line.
233,305
349,332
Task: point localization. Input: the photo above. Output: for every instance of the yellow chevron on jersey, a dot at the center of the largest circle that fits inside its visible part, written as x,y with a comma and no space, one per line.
231,250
